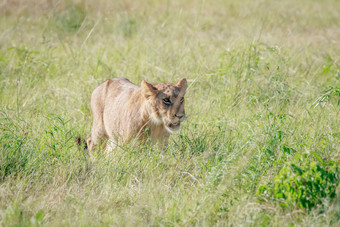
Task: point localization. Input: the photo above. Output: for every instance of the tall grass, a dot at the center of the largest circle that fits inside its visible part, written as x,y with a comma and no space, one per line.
262,106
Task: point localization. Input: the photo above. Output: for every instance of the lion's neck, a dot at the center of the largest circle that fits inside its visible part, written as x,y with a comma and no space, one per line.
150,124
159,134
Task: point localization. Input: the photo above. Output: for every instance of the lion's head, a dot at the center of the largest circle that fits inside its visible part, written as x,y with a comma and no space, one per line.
167,102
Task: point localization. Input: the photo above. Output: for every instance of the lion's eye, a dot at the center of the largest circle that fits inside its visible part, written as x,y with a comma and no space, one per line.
167,101
182,99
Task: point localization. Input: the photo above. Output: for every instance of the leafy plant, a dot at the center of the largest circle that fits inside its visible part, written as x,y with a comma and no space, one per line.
13,145
327,95
303,182
58,137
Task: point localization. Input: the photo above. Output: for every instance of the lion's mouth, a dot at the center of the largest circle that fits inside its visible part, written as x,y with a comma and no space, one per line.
172,127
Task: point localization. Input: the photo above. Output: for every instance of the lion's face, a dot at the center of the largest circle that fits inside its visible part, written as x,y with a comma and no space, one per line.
167,101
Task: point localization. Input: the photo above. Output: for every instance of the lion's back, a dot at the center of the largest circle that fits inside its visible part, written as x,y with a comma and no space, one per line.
110,90
111,99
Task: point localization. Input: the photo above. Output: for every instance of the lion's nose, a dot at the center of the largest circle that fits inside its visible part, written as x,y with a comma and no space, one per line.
180,116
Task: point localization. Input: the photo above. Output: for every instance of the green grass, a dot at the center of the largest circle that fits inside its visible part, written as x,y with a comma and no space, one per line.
262,104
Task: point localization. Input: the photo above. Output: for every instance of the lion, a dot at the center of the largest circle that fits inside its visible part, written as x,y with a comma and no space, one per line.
123,111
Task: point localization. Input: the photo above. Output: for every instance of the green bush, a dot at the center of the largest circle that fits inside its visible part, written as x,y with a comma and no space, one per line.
71,19
303,182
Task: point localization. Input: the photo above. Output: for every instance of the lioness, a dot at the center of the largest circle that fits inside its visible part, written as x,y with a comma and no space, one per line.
123,111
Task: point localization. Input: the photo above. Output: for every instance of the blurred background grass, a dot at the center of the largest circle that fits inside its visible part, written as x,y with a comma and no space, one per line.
255,69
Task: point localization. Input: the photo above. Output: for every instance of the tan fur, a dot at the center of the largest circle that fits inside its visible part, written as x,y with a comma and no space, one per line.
123,111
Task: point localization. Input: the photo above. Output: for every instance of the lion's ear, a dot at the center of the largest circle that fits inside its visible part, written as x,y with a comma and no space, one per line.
148,89
182,84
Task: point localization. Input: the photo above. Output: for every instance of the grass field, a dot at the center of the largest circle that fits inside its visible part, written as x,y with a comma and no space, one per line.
261,145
